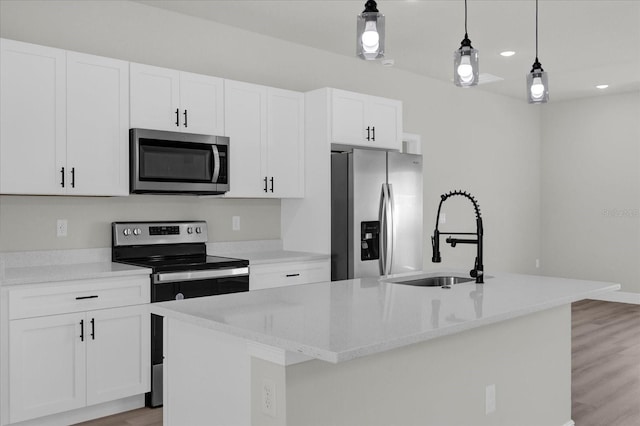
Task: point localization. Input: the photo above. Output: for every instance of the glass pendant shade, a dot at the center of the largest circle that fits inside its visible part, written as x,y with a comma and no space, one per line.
465,66
537,85
370,33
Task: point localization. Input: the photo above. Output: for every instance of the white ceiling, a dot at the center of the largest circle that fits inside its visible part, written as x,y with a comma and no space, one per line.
582,43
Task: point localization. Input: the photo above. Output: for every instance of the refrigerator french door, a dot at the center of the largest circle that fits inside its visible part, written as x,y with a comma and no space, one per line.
376,213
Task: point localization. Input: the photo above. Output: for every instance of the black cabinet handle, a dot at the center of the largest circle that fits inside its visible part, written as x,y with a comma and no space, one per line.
368,133
271,183
178,117
82,330
293,275
93,329
73,177
373,133
62,174
95,296
265,184
185,118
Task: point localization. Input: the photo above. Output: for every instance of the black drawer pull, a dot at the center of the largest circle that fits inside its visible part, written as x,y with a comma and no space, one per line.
265,184
82,330
62,173
95,296
293,275
73,177
93,329
185,118
178,117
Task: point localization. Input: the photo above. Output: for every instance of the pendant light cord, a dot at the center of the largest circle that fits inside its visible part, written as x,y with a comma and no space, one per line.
536,30
465,18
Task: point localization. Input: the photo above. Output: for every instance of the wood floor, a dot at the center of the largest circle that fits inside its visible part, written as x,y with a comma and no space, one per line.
605,364
605,369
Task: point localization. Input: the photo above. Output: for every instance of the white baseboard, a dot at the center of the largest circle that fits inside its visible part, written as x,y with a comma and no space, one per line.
569,423
87,413
619,296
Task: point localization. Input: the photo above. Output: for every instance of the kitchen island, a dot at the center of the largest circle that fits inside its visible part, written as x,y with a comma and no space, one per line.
367,351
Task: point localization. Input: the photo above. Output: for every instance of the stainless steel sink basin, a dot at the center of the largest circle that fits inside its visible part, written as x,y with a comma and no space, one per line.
439,281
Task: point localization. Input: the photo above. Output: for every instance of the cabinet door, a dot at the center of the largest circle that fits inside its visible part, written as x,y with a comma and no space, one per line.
285,143
32,118
201,104
97,125
46,366
246,126
348,118
118,353
385,117
154,102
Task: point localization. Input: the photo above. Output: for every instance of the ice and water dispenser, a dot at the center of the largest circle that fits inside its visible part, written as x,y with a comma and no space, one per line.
370,240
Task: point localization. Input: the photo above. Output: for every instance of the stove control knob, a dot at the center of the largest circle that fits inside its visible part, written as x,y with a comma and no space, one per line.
189,230
137,231
198,230
127,232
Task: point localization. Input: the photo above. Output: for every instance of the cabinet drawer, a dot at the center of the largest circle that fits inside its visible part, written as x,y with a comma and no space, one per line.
78,296
290,273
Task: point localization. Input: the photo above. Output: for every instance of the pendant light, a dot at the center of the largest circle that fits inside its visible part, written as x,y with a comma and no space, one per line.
370,33
537,80
465,60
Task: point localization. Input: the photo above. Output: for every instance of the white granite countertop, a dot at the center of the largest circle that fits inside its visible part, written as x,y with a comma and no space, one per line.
344,320
262,252
12,276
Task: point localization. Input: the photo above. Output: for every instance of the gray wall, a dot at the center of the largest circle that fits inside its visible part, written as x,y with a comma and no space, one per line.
591,189
472,140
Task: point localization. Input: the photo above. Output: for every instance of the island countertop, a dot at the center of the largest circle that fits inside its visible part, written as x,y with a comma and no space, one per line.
343,320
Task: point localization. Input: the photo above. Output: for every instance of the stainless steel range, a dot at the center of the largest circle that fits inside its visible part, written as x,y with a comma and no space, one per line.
177,254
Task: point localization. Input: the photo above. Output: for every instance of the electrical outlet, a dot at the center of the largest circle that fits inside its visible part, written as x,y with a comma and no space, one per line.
537,263
235,223
269,397
490,399
61,228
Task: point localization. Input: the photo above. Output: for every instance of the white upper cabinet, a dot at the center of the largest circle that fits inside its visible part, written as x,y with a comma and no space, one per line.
265,126
64,121
97,125
166,99
365,120
285,143
246,125
32,118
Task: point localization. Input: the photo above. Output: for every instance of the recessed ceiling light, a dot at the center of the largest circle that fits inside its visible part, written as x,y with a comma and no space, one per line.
602,86
507,53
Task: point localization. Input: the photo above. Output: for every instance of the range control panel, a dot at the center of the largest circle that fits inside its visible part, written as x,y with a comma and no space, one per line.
147,233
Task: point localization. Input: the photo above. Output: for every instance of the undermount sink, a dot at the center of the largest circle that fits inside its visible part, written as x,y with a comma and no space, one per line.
439,281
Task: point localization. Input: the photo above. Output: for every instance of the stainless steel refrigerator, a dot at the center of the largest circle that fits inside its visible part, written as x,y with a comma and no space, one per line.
376,213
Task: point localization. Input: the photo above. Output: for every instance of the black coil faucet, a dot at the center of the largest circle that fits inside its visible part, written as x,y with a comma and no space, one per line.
478,269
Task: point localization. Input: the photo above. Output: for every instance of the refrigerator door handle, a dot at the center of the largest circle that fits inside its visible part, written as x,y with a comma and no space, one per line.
390,228
383,230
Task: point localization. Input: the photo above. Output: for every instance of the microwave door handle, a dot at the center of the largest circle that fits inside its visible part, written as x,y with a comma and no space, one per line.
216,163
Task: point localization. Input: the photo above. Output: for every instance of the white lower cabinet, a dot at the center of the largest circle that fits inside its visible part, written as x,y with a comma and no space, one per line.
63,362
77,344
47,366
288,273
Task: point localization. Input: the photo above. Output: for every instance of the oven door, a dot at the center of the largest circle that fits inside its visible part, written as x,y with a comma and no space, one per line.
185,285
170,162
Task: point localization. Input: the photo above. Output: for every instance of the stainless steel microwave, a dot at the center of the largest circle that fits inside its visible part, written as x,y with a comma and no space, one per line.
178,163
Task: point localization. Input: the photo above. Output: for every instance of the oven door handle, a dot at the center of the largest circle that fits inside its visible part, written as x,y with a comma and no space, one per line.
172,277
216,163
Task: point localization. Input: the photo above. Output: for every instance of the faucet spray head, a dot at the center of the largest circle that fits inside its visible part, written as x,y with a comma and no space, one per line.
435,244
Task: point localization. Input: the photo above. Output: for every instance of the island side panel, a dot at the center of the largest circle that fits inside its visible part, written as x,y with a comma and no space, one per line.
443,381
206,377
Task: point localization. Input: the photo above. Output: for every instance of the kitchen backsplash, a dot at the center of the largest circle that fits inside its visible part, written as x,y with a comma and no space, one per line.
28,223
